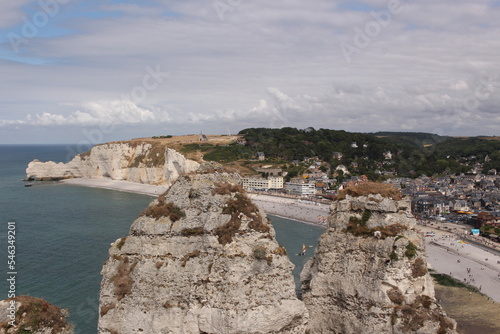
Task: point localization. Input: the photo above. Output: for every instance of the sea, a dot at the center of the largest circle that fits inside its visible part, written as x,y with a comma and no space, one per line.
63,233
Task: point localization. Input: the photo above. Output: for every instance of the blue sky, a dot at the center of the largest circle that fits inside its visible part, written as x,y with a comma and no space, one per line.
93,71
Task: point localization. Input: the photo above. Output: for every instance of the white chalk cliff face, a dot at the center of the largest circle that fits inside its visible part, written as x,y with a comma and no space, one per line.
369,273
201,259
140,162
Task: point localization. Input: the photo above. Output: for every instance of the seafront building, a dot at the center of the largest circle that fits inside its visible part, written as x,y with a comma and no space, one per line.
300,188
257,183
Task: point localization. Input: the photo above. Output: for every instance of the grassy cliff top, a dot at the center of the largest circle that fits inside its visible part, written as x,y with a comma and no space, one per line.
371,188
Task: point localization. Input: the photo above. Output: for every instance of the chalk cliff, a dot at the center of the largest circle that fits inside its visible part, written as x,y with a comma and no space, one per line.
142,162
25,314
369,272
202,258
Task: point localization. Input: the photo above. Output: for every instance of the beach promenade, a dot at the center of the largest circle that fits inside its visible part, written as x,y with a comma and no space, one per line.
449,254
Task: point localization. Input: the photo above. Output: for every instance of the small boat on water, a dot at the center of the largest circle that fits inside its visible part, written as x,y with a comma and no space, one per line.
304,248
28,185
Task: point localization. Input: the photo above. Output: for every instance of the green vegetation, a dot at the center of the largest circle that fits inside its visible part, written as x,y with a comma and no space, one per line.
364,219
411,250
447,280
162,137
204,147
417,138
394,255
359,230
413,153
229,153
490,229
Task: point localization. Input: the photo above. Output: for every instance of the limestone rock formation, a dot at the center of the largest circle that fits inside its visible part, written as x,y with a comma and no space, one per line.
24,314
202,258
369,272
140,162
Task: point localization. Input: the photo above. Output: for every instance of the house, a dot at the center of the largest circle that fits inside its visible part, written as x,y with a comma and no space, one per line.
423,206
343,169
337,155
255,183
241,141
202,137
300,188
321,186
261,184
459,205
261,156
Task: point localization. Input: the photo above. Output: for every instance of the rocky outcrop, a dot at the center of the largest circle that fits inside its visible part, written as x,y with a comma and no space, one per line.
24,314
141,162
369,272
202,258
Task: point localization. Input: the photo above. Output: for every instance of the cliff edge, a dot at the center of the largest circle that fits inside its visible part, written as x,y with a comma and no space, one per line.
25,314
369,272
135,161
202,258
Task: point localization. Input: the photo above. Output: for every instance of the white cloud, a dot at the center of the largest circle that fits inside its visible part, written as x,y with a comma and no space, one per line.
460,85
98,113
266,64
11,12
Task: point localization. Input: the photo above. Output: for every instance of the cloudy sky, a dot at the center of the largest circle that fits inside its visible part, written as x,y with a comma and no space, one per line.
101,70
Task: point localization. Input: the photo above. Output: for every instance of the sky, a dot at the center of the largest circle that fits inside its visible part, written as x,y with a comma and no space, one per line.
102,70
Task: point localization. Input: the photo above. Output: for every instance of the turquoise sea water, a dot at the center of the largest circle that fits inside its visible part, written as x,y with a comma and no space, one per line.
63,233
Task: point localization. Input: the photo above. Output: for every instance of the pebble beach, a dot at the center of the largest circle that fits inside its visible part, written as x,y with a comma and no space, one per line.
133,187
290,208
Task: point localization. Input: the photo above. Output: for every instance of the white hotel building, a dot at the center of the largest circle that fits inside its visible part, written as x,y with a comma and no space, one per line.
259,183
300,188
